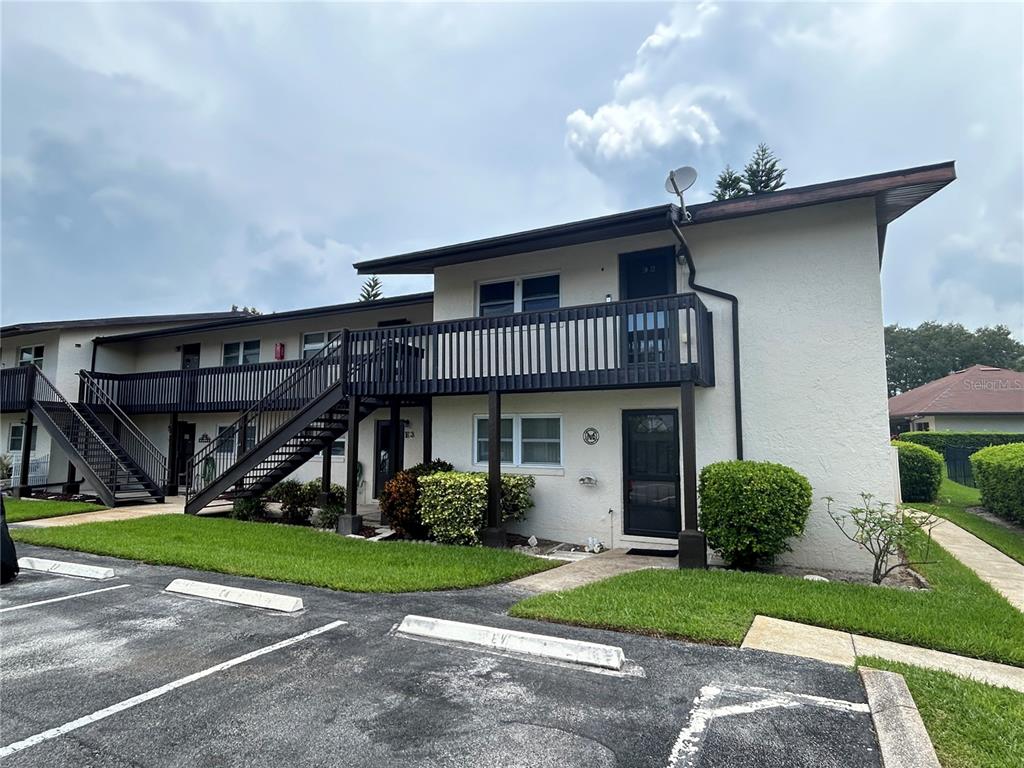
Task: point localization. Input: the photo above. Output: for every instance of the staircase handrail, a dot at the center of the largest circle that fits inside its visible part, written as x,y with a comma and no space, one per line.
315,362
39,376
155,454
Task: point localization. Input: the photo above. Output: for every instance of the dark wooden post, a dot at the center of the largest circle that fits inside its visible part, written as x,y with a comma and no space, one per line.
397,438
693,552
350,522
325,473
428,430
172,457
26,454
494,533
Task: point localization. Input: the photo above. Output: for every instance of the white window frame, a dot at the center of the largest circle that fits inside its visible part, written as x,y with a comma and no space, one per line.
329,336
517,439
21,438
37,360
241,351
340,456
517,289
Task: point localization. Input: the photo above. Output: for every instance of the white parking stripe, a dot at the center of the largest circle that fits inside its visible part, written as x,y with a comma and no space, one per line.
53,733
684,751
59,599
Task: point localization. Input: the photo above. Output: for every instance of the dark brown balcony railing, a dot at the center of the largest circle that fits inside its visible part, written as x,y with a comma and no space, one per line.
648,342
198,390
14,388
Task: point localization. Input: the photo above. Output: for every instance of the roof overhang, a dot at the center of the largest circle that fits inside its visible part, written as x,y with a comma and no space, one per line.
894,193
248,321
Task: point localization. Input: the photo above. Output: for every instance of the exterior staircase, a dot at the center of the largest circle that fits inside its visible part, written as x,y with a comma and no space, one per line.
104,445
294,422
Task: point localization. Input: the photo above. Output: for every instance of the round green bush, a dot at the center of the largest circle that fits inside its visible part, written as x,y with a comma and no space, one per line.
999,474
399,500
453,505
920,471
249,508
750,509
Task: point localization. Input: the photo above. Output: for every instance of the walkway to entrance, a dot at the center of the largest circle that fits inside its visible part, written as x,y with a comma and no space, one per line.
591,569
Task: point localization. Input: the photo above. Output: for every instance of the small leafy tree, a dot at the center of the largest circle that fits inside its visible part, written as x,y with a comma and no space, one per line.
372,290
6,466
762,173
729,185
884,531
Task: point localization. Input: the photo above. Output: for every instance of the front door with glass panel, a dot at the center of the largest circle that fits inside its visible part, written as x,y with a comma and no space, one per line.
644,274
650,473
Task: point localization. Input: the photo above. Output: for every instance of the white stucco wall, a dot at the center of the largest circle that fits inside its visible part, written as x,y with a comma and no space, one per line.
813,364
978,423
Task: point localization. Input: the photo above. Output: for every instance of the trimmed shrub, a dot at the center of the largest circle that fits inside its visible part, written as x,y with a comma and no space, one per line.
453,505
327,517
750,509
939,441
920,471
296,501
253,508
399,500
999,473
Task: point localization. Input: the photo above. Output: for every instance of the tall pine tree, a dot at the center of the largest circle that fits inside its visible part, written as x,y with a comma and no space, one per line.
762,173
729,185
372,290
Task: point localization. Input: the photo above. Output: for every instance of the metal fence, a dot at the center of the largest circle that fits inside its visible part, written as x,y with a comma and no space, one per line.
958,465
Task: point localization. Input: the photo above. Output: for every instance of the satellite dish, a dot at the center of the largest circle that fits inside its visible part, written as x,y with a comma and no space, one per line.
680,180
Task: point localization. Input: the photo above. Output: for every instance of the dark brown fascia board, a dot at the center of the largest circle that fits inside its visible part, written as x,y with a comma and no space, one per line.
406,300
919,183
21,329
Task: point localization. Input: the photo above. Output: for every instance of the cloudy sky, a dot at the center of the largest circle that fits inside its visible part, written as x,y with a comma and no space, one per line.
185,157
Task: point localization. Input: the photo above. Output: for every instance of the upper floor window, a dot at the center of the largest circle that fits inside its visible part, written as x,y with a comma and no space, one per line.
241,352
314,342
527,294
31,355
17,437
525,440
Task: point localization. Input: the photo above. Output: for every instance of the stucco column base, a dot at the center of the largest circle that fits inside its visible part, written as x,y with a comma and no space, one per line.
348,524
494,537
18,492
693,549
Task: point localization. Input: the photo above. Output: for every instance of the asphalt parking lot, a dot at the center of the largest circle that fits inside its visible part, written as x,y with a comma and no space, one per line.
134,676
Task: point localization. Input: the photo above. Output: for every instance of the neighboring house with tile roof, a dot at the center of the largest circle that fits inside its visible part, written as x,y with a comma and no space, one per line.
981,398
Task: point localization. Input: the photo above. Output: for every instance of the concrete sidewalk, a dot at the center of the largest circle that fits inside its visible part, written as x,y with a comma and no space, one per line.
1003,573
591,569
830,645
174,505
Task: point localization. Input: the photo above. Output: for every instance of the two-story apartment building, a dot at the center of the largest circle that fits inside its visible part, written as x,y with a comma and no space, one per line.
60,349
611,358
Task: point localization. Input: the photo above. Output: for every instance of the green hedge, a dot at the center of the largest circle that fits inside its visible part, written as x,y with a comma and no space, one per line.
920,471
939,441
399,499
750,509
453,505
999,474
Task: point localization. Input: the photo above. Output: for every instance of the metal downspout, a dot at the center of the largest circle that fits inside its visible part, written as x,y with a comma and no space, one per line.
687,257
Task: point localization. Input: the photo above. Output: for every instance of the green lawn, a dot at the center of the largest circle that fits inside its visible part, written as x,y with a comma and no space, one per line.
19,510
972,725
952,504
960,614
286,553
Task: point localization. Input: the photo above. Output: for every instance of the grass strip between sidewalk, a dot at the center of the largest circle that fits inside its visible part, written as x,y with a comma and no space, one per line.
953,502
971,724
959,614
21,510
289,553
